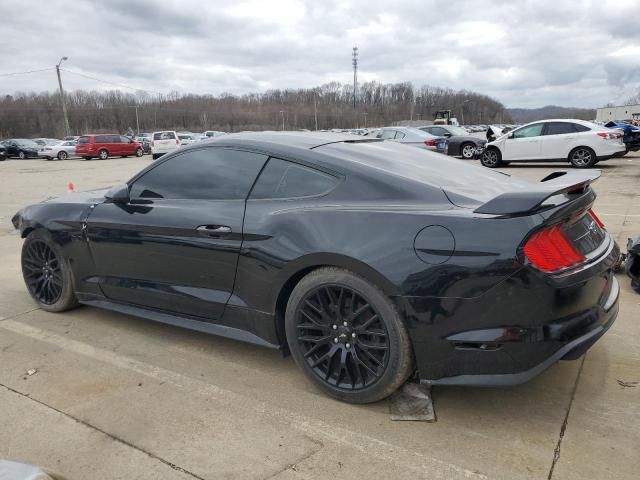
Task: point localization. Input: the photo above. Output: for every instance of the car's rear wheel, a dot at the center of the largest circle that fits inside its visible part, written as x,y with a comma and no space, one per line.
103,154
491,158
467,151
21,155
62,155
582,157
46,273
139,152
347,336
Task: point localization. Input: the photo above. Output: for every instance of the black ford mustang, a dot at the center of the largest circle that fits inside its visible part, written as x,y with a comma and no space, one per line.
367,259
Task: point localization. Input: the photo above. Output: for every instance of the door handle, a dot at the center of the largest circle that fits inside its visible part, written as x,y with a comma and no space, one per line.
214,230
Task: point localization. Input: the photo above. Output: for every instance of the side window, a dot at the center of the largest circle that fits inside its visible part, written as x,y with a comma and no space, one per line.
205,174
103,139
400,135
124,139
387,134
580,128
83,140
534,130
559,128
438,131
428,130
282,179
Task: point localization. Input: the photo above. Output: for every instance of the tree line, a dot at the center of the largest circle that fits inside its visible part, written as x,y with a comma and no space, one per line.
324,107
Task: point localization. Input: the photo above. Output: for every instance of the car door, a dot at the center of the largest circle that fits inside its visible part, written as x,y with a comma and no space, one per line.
174,246
558,140
524,143
127,146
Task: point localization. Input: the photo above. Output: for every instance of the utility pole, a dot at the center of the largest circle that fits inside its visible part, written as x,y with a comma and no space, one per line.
137,121
354,62
315,110
67,129
282,113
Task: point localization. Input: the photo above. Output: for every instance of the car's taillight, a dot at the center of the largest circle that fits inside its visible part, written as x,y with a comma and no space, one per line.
597,220
550,250
609,135
430,143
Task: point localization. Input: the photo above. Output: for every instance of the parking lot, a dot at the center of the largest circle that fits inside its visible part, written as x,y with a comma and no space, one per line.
116,397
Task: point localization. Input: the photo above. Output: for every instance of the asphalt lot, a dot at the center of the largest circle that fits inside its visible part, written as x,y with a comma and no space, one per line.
116,397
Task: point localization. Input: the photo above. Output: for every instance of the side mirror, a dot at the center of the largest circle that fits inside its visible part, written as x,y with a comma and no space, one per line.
118,194
510,135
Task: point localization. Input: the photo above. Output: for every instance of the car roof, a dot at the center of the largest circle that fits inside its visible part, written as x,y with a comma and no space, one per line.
292,140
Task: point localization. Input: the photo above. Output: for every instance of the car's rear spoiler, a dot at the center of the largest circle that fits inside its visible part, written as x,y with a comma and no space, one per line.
525,201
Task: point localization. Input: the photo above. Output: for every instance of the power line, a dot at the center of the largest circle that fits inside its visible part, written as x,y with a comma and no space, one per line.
24,73
111,83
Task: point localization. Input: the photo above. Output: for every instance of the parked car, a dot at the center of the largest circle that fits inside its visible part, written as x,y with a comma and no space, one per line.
104,146
414,137
164,142
631,135
71,138
3,152
186,138
145,140
460,142
60,150
211,134
365,261
21,148
579,142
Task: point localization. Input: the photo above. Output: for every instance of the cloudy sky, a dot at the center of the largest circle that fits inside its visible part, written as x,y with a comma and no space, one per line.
523,53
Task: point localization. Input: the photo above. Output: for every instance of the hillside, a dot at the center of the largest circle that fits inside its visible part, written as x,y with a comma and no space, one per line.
524,115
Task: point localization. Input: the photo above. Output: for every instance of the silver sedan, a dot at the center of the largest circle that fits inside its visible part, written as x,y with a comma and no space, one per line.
61,150
415,137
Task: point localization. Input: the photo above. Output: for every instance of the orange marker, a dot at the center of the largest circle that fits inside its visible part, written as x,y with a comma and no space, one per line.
71,187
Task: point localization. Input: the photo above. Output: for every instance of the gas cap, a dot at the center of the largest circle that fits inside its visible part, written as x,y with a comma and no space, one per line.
434,244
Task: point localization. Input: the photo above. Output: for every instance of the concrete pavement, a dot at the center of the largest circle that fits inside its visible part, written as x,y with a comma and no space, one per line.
119,397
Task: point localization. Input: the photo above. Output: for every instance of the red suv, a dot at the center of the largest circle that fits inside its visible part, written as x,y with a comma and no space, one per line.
104,146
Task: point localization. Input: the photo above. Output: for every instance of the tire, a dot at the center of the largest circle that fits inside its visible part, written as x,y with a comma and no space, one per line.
87,158
103,154
467,151
21,155
582,157
156,156
330,347
46,273
491,158
139,152
62,155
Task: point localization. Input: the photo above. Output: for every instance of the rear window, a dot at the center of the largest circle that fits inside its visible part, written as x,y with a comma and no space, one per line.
83,140
164,136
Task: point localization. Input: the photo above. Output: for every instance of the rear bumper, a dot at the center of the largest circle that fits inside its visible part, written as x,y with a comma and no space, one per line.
572,350
515,330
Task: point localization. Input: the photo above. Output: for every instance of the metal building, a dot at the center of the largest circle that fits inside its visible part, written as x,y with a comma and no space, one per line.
624,112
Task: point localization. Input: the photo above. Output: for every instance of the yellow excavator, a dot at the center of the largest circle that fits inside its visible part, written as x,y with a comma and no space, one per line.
444,117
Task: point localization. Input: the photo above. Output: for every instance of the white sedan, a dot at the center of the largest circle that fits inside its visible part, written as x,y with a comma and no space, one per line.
579,142
61,150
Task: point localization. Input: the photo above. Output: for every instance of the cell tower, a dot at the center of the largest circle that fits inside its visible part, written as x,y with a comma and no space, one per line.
354,62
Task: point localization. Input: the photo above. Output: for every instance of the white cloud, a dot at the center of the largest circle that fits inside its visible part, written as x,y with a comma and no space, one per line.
578,53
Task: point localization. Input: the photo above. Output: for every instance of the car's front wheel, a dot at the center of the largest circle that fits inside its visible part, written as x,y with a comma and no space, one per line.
582,157
347,336
139,152
491,158
467,151
63,155
21,155
47,273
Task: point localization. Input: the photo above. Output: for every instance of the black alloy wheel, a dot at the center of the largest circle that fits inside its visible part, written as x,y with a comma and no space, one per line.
342,337
348,336
42,272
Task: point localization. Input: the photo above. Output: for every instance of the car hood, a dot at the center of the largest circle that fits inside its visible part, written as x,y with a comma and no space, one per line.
87,197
